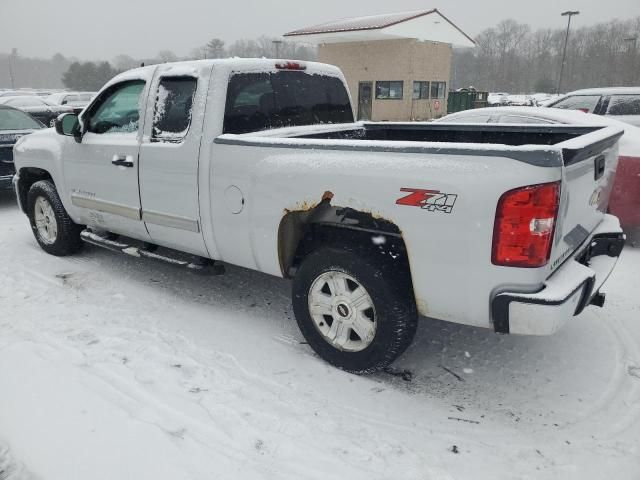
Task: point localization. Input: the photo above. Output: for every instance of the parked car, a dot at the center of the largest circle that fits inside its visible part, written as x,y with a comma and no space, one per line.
497,99
541,99
503,226
625,197
623,103
76,100
16,93
519,100
14,124
37,107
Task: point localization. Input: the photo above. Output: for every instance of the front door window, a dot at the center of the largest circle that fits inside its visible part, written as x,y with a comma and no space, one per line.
119,112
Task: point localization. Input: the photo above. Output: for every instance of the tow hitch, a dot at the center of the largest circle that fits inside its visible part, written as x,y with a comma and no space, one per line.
607,244
598,299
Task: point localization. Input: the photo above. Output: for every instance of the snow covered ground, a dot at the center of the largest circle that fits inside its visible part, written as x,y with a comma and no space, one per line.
117,368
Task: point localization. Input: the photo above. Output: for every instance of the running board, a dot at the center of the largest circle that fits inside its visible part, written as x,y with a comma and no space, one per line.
205,266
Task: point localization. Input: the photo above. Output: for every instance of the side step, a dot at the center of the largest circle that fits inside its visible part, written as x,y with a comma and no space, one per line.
199,265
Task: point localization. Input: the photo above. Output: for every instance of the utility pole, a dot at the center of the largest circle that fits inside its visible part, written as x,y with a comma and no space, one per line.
631,52
277,44
569,13
14,54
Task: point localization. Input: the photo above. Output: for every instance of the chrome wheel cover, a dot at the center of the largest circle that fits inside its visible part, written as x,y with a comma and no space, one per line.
46,223
342,311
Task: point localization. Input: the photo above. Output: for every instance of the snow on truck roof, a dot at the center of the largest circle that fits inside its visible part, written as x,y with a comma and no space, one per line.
193,67
419,24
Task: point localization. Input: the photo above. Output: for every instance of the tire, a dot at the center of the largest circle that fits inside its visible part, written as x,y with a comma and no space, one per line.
392,315
54,230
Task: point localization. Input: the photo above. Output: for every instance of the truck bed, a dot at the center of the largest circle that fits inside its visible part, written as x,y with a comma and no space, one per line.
514,135
539,145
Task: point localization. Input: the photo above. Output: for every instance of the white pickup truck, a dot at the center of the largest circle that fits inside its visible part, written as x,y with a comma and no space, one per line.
259,163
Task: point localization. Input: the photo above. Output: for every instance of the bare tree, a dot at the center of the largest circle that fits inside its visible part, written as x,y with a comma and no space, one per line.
511,57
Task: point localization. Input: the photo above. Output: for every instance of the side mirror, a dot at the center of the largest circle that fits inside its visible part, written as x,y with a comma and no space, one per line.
69,125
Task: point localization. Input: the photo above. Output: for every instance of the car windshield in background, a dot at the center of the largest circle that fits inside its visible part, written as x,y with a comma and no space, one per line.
16,120
261,101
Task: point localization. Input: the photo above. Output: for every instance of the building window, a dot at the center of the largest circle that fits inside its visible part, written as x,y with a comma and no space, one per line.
389,90
438,89
420,90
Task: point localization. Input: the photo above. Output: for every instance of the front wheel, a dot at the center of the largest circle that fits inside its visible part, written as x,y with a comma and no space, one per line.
354,308
54,230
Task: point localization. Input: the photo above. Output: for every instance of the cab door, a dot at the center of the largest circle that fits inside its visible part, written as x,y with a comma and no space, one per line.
101,172
169,156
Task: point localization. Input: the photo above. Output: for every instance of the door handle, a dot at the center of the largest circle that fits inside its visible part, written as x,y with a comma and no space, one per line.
121,161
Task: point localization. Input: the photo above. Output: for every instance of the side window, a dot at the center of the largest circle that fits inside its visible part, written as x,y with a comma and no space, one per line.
420,90
119,110
173,106
624,105
585,103
389,90
438,89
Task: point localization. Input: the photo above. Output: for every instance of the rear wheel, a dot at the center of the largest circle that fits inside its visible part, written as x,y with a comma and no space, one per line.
354,308
52,227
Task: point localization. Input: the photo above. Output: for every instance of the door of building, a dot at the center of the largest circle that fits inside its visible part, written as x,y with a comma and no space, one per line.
365,95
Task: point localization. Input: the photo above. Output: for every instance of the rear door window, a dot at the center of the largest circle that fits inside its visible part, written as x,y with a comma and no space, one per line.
173,108
586,103
261,101
624,105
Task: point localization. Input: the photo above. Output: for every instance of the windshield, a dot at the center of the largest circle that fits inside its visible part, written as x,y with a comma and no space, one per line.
261,101
16,120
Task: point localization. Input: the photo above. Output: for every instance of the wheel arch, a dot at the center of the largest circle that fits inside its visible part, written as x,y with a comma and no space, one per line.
302,231
27,176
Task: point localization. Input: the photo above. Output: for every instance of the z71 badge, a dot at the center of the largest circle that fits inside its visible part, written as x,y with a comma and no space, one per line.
430,200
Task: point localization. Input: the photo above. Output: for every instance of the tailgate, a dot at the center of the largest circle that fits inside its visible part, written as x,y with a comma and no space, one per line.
590,163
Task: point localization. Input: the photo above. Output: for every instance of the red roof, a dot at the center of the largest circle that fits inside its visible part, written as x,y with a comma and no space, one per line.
370,22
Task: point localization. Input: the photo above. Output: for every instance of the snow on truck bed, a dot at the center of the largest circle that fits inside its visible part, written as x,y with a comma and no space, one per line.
113,367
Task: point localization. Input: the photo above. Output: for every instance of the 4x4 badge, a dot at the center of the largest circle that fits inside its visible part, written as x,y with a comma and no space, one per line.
430,200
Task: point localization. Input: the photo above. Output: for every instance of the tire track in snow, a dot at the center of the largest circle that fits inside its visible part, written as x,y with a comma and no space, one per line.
140,403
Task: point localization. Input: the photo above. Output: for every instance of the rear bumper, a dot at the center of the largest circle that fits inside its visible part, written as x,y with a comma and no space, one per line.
567,292
5,181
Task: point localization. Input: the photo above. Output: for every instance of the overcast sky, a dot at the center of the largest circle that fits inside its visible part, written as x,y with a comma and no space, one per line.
92,29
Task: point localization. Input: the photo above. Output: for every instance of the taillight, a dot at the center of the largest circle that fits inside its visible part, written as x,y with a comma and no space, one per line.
291,66
524,226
